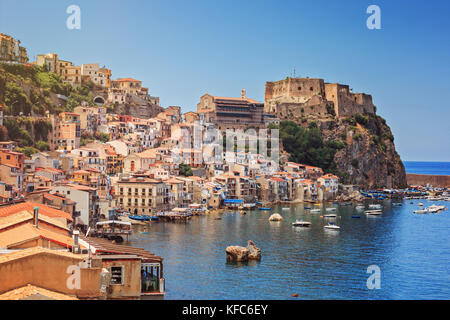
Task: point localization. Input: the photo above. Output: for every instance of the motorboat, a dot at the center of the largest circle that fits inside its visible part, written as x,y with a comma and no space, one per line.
356,217
331,209
264,209
360,207
422,211
332,215
397,204
301,223
420,204
315,210
373,212
374,206
332,226
286,208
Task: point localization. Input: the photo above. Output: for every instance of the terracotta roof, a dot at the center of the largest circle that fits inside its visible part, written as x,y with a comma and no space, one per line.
4,258
27,292
127,80
235,99
11,220
9,209
106,246
27,232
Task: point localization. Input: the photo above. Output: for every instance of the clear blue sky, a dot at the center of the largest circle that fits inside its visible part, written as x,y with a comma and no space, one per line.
183,49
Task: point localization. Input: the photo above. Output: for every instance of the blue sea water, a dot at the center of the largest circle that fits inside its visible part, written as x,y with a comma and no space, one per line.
421,167
411,250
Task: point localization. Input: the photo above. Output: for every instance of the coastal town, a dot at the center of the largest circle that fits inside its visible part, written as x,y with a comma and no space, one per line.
76,180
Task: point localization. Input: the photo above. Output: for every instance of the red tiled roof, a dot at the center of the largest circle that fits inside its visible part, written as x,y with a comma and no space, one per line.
6,210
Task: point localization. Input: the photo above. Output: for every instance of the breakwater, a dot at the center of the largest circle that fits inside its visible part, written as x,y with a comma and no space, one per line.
439,181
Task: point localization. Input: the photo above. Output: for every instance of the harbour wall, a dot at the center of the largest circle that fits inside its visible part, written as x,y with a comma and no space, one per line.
424,179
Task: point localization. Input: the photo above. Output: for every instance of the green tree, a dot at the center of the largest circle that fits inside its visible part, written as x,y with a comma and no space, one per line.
185,170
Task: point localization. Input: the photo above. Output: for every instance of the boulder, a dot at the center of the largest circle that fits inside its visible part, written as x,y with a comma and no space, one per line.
254,252
275,217
242,254
237,253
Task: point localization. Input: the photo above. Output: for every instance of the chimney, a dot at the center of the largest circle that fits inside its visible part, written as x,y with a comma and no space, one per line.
75,248
243,94
36,216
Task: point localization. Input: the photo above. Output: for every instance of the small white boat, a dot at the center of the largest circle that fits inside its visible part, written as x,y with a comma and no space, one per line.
360,207
332,226
331,209
420,204
286,208
373,212
315,210
422,211
374,206
301,223
332,215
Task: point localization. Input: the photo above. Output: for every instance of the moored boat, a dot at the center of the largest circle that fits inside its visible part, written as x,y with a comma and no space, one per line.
373,212
332,226
301,223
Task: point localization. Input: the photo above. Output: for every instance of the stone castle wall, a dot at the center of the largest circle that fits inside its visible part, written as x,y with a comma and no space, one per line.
302,93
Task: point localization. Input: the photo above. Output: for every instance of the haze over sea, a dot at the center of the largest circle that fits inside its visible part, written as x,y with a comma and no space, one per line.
422,167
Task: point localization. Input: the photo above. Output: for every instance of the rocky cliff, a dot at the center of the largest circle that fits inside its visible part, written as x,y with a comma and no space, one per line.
363,149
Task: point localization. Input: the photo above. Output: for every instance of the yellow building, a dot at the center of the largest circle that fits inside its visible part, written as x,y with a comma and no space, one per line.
11,51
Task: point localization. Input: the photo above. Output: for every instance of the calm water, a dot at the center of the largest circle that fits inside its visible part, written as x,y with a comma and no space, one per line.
418,167
413,252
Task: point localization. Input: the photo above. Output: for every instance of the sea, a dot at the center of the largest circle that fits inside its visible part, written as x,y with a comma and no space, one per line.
409,254
433,168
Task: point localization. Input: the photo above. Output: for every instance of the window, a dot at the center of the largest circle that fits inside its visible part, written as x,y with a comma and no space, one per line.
116,275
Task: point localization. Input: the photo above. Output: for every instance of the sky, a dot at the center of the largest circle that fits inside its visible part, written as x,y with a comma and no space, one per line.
184,49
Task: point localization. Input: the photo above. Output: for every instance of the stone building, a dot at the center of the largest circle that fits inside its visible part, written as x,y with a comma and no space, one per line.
231,113
302,96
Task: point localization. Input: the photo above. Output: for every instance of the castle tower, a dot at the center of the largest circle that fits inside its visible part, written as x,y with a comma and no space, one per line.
243,94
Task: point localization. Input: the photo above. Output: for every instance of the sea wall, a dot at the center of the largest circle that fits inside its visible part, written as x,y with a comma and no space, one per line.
424,179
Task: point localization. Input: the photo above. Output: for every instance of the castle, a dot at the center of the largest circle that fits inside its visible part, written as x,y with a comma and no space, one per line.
302,96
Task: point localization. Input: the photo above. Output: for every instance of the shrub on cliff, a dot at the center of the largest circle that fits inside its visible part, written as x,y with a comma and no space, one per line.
307,146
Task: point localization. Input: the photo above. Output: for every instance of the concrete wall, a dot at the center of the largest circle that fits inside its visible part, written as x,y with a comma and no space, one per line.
424,179
47,271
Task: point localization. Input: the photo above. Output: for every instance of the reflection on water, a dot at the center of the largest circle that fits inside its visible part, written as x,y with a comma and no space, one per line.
412,251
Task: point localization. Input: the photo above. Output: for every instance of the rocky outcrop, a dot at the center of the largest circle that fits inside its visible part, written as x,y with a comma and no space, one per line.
368,158
353,196
275,217
242,254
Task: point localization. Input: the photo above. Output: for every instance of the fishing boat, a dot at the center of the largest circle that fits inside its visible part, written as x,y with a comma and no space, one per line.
301,223
374,206
373,212
286,208
140,218
264,209
330,209
332,215
332,226
360,207
314,210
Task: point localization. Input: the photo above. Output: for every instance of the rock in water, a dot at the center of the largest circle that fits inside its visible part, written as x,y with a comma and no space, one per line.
254,252
275,217
237,253
242,254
